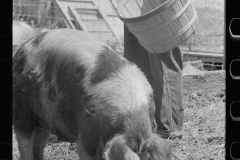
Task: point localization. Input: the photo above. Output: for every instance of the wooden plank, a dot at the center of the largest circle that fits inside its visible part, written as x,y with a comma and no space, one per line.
98,25
154,4
82,5
141,26
113,15
86,17
133,8
152,22
87,13
115,5
68,22
146,7
205,57
125,13
103,36
106,20
106,6
177,6
47,6
79,21
175,27
86,8
168,13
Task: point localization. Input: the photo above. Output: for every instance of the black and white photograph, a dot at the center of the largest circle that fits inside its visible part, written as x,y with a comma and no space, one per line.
119,80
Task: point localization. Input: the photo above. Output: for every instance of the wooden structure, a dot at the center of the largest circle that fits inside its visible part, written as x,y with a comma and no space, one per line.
97,17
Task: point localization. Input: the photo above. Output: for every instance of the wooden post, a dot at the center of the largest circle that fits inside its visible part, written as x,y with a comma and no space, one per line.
42,15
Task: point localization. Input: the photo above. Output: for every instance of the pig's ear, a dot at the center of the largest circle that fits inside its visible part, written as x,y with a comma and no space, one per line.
117,149
157,148
109,149
130,155
106,153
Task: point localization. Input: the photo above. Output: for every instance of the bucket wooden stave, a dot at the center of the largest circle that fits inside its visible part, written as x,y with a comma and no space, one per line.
159,25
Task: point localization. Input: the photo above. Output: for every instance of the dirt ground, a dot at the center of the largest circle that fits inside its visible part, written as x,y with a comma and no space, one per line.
204,122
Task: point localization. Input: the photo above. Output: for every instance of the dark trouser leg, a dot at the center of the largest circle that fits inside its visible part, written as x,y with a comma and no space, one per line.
167,83
164,72
135,53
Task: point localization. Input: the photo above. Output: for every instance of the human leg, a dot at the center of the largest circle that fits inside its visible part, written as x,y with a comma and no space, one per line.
164,72
167,83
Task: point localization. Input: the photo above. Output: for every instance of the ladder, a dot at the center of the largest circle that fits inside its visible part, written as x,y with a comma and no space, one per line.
87,16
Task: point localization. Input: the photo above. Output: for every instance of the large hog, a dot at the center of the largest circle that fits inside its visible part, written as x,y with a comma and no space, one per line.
68,83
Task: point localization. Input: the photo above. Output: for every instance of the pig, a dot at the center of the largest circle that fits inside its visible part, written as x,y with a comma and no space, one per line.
69,83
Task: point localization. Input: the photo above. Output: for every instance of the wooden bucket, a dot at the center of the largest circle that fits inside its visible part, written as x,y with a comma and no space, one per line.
159,25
